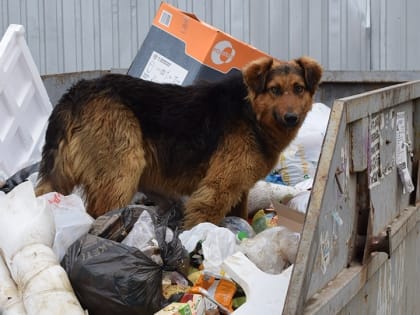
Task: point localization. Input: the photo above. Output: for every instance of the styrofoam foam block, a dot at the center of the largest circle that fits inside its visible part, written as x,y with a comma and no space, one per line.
265,293
24,104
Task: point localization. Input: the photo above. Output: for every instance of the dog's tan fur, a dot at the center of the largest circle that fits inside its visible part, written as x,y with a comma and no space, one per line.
97,141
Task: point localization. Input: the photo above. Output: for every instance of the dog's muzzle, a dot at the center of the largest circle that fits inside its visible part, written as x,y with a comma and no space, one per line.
289,119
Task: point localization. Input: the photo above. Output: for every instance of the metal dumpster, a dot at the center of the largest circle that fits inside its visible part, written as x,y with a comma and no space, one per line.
358,251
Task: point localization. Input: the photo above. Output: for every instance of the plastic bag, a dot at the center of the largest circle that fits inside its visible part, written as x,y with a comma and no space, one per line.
21,176
272,250
300,201
71,220
142,234
10,298
115,225
238,226
217,243
300,159
43,282
26,235
264,219
262,194
24,220
112,278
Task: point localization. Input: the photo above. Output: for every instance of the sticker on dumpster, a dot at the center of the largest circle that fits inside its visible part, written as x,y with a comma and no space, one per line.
163,70
325,251
401,154
375,157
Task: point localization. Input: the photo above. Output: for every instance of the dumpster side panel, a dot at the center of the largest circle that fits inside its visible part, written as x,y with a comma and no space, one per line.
335,224
361,230
393,288
328,225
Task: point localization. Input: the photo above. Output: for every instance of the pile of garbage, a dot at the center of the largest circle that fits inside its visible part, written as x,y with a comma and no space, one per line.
31,278
136,260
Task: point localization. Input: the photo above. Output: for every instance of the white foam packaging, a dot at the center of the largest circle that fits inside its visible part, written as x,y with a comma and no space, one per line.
24,104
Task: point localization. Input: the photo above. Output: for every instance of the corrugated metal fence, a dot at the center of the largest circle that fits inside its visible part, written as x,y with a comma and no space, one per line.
79,35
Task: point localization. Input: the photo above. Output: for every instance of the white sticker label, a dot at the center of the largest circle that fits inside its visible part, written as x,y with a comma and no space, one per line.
401,154
163,70
375,145
165,18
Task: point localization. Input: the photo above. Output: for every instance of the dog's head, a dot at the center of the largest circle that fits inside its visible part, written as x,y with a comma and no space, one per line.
281,92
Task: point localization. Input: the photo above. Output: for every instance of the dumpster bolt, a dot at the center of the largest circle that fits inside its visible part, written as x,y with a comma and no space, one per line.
380,243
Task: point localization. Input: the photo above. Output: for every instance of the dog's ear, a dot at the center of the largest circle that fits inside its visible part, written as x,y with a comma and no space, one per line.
255,74
312,72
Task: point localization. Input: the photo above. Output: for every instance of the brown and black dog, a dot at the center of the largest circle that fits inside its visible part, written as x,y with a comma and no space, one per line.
117,134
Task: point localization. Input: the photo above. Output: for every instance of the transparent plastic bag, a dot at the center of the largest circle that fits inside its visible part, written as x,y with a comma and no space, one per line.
272,250
71,220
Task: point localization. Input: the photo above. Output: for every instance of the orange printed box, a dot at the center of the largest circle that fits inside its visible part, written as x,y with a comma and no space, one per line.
181,49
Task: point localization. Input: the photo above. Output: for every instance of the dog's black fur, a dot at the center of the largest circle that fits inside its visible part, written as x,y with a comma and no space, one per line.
186,123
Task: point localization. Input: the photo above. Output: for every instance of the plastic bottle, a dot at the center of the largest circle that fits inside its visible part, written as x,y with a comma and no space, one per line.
240,227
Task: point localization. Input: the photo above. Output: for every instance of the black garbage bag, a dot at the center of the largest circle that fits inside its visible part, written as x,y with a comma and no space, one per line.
111,278
19,177
116,224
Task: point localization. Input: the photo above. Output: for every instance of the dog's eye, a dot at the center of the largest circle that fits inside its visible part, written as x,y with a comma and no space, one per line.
275,90
298,89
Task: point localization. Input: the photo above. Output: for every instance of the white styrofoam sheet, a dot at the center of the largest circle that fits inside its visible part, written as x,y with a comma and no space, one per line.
24,104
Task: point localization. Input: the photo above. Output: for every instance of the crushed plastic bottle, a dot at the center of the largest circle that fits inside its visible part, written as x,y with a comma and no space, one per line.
240,227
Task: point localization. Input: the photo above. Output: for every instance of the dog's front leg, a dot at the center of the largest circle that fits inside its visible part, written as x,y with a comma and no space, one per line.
212,202
233,169
241,208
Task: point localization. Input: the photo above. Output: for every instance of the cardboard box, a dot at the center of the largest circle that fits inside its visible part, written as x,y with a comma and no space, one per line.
289,217
181,49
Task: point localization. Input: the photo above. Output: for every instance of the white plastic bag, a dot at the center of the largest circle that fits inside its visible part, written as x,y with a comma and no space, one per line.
45,286
24,220
26,235
218,243
71,220
300,159
300,201
10,299
272,249
263,193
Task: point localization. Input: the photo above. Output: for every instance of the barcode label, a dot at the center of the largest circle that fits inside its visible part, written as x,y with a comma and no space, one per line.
163,70
165,18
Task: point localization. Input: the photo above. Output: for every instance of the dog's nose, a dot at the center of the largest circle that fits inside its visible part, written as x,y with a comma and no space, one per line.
291,119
